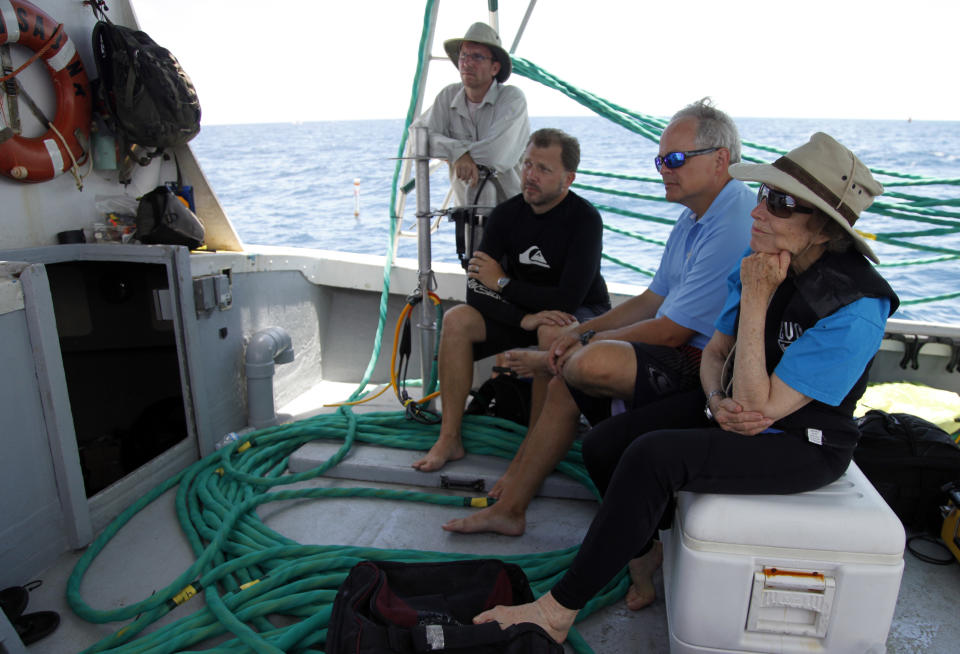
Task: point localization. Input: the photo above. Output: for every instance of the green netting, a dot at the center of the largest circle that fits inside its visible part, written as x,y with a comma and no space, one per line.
912,208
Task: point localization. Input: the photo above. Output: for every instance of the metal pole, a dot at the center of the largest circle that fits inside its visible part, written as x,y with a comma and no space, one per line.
427,282
523,26
494,15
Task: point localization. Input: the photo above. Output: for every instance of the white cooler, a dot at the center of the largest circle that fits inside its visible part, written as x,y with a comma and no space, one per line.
811,572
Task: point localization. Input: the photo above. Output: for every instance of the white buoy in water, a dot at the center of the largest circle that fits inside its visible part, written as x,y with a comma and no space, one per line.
356,198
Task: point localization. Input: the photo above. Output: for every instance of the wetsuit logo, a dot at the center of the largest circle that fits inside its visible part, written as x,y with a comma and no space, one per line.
534,257
789,332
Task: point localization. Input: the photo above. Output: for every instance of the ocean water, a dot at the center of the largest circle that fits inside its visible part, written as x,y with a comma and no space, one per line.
293,185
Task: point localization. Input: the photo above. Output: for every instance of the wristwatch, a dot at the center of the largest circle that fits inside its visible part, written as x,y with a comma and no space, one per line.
502,282
706,409
586,336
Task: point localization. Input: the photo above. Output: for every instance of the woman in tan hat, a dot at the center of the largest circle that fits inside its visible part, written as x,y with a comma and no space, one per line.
803,319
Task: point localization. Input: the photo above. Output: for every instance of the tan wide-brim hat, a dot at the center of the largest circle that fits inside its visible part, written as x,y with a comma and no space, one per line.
484,35
825,174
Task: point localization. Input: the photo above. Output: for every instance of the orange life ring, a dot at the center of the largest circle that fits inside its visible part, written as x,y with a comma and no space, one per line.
45,157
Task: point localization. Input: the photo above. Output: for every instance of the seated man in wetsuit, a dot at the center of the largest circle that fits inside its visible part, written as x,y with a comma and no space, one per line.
537,270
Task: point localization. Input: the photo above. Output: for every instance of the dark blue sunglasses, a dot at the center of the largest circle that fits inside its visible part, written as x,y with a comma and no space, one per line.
676,159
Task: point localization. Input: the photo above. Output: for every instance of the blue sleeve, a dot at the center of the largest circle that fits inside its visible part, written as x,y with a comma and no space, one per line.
826,361
703,257
660,284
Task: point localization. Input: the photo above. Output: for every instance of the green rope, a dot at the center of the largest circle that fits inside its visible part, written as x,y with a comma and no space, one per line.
216,505
633,267
931,298
896,205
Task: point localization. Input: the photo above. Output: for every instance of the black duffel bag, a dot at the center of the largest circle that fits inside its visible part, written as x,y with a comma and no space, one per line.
908,460
504,396
385,606
163,218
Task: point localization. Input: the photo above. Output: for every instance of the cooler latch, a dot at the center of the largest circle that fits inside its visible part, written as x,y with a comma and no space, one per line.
794,602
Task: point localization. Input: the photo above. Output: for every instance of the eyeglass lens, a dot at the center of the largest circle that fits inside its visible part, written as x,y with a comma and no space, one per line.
779,204
670,160
676,159
476,57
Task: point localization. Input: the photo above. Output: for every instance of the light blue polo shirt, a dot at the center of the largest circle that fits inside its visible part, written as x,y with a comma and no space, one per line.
697,258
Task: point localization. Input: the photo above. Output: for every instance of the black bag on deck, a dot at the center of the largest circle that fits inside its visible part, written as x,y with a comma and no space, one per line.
149,97
163,218
503,396
385,606
908,460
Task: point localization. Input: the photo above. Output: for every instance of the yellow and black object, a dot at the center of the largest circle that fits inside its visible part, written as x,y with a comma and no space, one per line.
950,532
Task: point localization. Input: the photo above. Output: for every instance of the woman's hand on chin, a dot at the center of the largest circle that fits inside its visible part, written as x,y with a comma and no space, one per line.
763,272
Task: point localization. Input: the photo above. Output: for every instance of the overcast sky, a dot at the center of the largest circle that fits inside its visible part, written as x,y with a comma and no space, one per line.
255,61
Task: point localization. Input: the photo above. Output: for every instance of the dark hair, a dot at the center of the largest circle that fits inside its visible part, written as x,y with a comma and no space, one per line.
714,127
569,145
838,240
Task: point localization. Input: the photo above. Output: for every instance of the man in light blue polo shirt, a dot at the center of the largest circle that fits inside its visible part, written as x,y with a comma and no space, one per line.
649,345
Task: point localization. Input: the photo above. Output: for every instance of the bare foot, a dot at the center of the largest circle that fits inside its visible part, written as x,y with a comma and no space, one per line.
545,612
497,490
526,363
642,592
494,518
498,362
445,449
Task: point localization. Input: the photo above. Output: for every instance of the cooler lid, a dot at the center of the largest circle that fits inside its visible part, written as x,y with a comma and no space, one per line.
847,517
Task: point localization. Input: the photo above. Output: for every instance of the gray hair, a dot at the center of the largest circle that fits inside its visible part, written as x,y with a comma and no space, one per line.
714,127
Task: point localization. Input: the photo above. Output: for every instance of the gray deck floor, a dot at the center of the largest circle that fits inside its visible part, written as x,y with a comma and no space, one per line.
151,551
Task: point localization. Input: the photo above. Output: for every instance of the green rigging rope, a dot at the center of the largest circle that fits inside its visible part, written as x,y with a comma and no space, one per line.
247,571
903,207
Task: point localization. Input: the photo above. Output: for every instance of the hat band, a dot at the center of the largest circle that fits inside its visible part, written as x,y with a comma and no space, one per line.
793,169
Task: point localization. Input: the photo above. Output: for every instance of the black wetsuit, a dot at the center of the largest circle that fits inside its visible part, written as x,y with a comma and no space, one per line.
552,260
639,459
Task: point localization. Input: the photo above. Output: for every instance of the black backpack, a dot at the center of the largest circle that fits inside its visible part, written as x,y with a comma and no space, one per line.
503,396
162,217
150,99
908,460
386,606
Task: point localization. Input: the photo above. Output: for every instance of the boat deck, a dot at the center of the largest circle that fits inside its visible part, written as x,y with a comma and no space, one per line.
151,551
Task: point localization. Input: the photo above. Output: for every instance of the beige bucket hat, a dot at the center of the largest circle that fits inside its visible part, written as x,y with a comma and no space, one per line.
485,35
825,174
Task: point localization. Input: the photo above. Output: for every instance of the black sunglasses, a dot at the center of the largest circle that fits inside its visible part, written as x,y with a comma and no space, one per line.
676,159
779,203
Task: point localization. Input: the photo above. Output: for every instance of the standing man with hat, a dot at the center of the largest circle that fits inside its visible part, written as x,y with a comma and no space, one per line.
480,121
